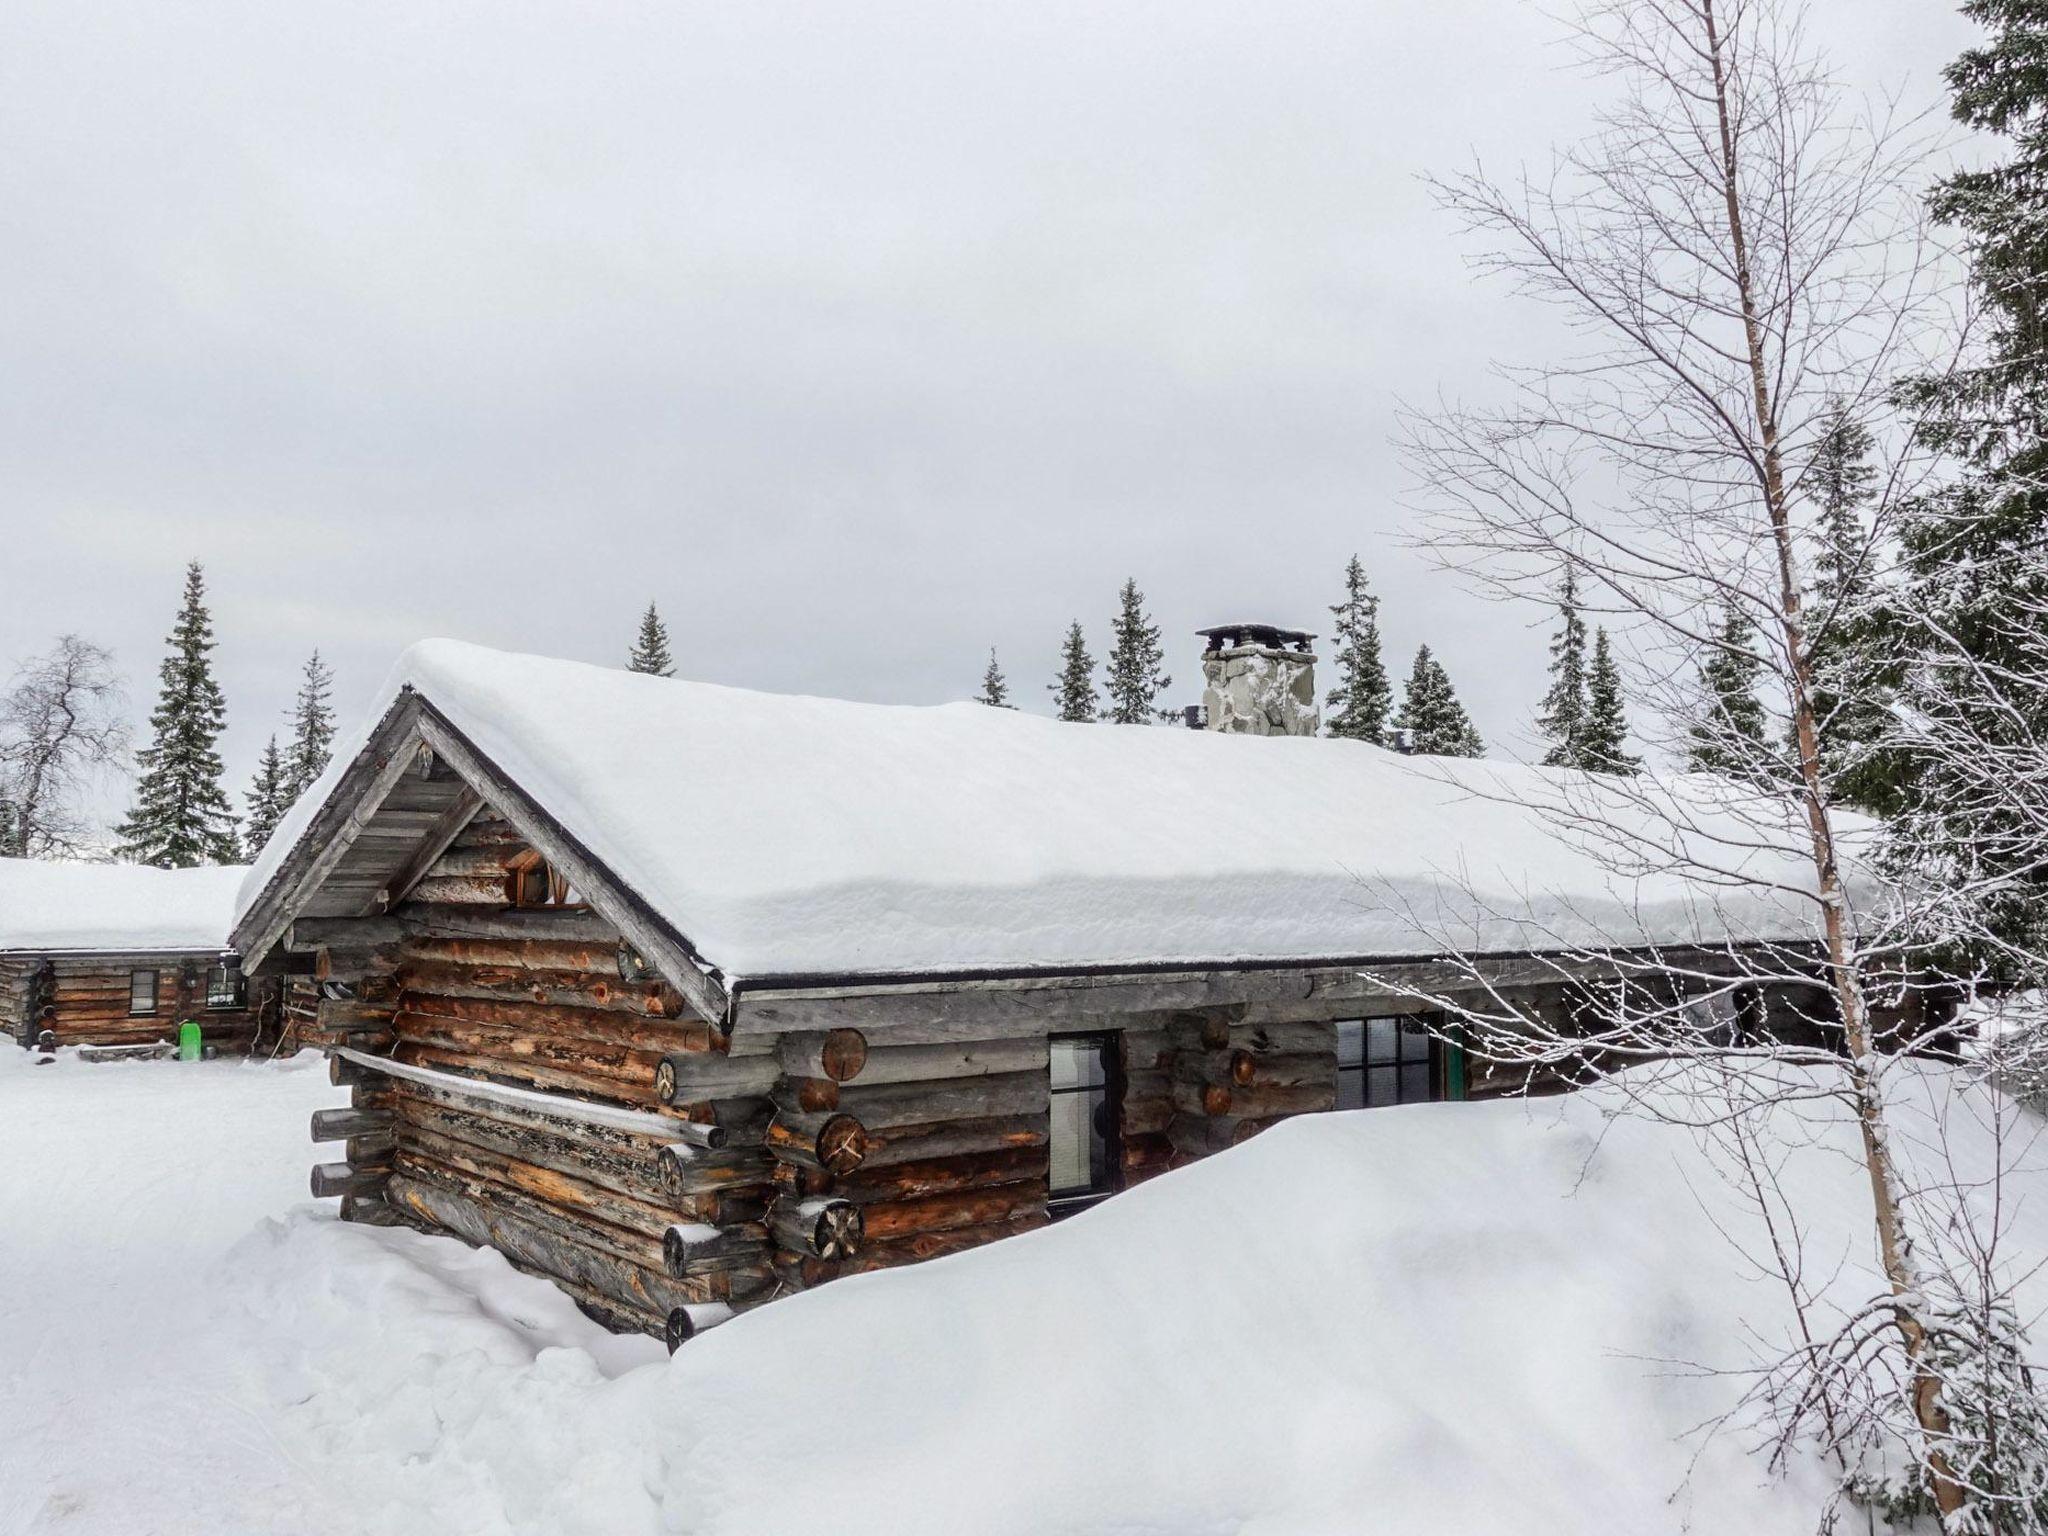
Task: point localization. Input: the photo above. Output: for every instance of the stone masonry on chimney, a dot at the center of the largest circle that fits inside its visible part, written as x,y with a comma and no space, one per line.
1260,680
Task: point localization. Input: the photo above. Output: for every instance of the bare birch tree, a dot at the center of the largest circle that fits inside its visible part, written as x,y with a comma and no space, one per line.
1741,262
60,723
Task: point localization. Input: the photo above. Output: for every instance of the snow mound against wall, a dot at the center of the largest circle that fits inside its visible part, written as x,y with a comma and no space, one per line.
1442,1318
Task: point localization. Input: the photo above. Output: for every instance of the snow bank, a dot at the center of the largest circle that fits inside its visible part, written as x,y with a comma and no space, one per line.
784,835
1446,1318
1443,1318
48,907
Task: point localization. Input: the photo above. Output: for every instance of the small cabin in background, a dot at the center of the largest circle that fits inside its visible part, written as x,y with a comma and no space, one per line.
117,956
687,997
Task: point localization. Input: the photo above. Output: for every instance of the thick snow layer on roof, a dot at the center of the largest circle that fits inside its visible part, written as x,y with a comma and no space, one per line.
47,907
788,835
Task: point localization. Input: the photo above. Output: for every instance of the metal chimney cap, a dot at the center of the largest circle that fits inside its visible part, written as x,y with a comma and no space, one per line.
1226,637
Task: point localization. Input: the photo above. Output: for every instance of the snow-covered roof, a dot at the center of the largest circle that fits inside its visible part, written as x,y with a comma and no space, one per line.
127,908
784,835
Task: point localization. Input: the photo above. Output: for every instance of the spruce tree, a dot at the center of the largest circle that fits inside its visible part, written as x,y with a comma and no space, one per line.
312,730
1604,739
181,816
1728,736
1971,556
269,796
1563,717
1135,681
1362,699
650,653
1845,642
995,689
1430,712
1073,691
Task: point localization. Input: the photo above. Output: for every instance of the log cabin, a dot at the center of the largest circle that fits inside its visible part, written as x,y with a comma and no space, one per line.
687,997
115,957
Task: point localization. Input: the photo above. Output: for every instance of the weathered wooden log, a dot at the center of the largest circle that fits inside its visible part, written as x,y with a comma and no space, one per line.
1318,1038
837,1143
942,1062
939,1175
696,1076
531,1075
1200,1098
685,1323
476,861
806,1095
932,1245
1258,1102
333,1179
612,1026
458,891
553,988
1294,1069
823,1227
890,1219
538,1249
982,1133
542,953
1223,1069
894,1104
635,1240
625,1066
686,1170
563,1193
839,1055
1203,1031
689,1248
343,1074
373,1149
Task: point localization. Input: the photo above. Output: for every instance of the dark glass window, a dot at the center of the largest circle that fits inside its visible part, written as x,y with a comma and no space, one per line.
1385,1061
141,992
226,987
1084,1152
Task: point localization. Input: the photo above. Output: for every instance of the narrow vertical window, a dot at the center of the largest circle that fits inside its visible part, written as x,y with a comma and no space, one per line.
141,992
1085,1153
1386,1061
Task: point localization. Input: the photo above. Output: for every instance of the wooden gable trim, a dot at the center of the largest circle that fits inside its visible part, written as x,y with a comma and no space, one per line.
637,923
392,751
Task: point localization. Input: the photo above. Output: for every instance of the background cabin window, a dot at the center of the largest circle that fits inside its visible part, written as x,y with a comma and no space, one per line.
1085,1154
1385,1061
141,992
226,987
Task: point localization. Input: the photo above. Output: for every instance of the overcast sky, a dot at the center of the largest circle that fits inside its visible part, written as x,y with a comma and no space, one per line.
859,336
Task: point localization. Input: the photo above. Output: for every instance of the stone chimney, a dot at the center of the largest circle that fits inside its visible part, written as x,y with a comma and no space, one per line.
1259,680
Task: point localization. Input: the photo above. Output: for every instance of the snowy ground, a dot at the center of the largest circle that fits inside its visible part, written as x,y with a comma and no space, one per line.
1452,1318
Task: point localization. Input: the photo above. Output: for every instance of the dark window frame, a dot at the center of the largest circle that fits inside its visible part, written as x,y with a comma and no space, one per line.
221,996
1433,1058
1111,1088
155,990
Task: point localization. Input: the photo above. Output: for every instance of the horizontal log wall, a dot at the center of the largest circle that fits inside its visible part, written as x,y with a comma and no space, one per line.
951,1145
16,1017
469,989
83,1000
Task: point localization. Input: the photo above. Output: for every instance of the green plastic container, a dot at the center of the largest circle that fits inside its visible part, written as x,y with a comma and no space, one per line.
190,1046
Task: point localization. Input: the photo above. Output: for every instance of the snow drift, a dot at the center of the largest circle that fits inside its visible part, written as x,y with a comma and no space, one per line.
1445,1318
784,835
